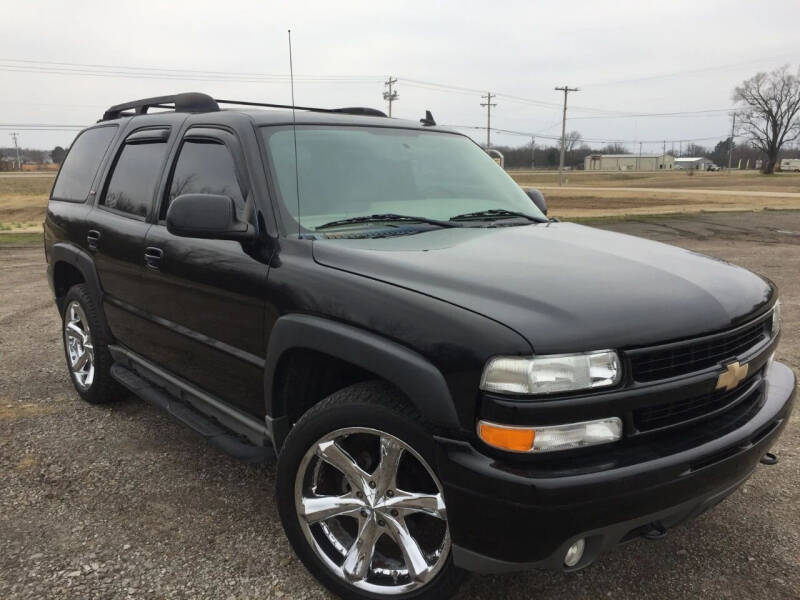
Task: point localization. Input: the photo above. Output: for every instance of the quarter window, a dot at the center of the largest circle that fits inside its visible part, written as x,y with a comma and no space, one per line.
79,168
135,177
204,167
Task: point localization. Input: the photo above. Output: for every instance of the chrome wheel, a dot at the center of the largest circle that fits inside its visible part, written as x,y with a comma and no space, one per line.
372,510
78,342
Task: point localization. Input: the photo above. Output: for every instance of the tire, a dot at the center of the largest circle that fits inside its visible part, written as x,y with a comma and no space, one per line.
81,314
368,420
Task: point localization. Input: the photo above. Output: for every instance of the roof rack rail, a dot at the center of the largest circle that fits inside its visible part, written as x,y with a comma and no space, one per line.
352,110
190,102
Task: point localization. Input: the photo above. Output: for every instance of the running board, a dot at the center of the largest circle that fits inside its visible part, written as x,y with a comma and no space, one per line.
222,438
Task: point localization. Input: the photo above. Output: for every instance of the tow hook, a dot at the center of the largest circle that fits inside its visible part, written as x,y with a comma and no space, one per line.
769,459
657,531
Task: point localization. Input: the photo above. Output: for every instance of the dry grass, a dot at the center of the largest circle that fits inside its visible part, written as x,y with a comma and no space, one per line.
737,180
23,200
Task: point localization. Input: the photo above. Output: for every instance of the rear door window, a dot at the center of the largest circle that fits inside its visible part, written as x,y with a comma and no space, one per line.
135,177
80,166
204,167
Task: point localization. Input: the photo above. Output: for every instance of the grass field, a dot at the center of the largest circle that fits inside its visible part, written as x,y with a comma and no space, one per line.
736,180
584,196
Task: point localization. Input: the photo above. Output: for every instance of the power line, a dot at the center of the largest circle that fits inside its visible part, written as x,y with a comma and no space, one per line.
691,71
160,73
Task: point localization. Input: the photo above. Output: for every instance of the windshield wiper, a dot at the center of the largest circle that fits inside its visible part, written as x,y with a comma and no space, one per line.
387,217
493,214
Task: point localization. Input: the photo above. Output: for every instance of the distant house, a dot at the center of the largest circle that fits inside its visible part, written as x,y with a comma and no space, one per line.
628,162
695,163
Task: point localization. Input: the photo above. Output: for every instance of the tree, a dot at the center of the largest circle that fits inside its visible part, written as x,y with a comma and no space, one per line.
571,141
615,149
58,154
695,150
770,104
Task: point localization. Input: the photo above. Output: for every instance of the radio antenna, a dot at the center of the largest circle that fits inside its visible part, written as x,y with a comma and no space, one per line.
294,134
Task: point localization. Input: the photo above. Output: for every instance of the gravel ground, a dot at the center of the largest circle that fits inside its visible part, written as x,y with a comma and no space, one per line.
121,502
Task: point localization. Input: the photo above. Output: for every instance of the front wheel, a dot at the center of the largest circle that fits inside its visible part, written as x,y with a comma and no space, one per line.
360,503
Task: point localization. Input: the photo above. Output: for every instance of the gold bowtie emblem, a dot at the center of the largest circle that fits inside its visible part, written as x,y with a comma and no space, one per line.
733,374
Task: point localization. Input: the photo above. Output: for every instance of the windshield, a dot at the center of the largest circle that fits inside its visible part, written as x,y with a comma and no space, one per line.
349,172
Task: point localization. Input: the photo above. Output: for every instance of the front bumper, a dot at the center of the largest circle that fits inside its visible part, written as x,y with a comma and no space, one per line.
506,516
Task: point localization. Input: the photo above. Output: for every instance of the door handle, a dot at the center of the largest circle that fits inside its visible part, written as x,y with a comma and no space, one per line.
92,238
152,257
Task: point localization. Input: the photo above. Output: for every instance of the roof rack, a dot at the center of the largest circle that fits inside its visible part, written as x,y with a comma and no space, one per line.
191,102
194,102
352,110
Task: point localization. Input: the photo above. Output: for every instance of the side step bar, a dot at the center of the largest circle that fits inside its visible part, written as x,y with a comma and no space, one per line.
220,437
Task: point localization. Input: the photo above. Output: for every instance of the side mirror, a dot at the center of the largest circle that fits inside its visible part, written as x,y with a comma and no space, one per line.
208,216
538,199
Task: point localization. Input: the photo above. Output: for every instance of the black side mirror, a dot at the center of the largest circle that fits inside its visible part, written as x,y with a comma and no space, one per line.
538,199
208,216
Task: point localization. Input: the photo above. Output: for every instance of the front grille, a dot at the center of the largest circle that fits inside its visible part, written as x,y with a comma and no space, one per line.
695,355
682,412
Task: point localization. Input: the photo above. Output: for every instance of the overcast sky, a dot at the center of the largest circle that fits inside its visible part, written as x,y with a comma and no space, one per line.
627,57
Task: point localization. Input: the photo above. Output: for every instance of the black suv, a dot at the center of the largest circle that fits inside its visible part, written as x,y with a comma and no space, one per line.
450,380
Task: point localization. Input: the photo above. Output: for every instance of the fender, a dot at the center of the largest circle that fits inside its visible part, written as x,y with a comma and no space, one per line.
409,371
83,262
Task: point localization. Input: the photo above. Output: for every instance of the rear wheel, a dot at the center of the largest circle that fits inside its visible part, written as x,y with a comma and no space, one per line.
86,347
360,502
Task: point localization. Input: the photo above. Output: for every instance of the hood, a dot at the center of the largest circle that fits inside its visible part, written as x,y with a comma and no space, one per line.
564,287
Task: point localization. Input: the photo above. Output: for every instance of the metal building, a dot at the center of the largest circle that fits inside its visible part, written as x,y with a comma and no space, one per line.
696,163
629,162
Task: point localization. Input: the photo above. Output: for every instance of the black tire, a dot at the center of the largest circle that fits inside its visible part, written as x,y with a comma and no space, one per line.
102,389
373,405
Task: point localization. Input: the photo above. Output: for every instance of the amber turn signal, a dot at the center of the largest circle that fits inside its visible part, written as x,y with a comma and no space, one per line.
515,439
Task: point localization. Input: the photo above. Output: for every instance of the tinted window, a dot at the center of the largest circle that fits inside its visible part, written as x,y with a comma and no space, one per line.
81,164
135,177
204,168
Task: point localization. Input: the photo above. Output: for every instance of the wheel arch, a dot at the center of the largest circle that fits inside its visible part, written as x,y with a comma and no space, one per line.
70,265
413,375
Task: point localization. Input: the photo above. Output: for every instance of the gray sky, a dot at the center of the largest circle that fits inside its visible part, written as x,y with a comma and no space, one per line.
626,56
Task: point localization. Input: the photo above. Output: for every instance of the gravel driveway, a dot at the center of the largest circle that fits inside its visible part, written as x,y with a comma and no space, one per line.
121,502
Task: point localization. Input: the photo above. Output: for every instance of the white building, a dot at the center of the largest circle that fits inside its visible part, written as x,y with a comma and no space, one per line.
696,163
628,162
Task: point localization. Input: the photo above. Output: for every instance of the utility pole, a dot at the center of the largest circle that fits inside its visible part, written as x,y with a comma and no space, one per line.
663,155
16,145
533,152
390,95
639,162
730,143
488,104
566,90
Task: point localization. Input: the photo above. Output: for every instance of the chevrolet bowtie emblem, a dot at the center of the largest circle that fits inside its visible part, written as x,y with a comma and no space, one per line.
734,373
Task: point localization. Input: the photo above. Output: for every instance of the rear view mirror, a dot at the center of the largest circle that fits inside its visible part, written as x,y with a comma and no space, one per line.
538,199
208,216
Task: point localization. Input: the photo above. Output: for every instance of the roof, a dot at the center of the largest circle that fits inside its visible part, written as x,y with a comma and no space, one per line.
630,155
692,159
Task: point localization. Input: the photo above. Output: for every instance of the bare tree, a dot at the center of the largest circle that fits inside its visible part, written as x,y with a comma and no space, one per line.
770,103
695,150
571,141
614,148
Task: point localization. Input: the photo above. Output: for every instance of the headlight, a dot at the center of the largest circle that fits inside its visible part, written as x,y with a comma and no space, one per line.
550,374
776,319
